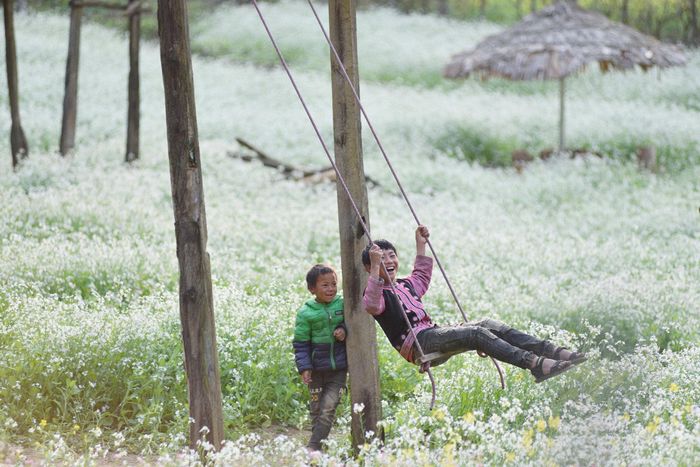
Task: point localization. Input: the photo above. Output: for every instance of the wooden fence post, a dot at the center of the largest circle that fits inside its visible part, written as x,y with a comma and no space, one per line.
18,143
196,303
70,96
362,338
132,131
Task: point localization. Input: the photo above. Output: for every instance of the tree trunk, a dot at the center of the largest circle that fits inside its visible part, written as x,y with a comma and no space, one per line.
443,8
132,131
18,143
625,12
533,6
70,96
362,338
482,9
694,31
196,302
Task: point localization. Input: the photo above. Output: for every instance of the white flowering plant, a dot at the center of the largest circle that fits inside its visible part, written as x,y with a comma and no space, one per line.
591,252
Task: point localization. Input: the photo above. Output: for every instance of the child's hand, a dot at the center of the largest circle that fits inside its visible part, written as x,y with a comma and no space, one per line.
375,255
422,234
339,334
306,377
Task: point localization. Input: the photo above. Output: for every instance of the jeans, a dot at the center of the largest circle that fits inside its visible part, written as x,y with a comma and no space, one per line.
326,388
488,336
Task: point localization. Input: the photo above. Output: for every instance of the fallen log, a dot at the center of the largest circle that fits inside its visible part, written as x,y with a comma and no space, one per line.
324,174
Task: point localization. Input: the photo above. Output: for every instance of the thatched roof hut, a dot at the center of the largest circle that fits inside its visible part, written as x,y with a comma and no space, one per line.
558,41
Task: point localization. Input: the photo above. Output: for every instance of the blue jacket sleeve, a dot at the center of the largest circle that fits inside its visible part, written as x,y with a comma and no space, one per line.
302,343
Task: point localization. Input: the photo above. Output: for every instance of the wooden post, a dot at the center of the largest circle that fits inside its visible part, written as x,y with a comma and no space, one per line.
562,91
196,304
362,339
70,96
18,143
132,131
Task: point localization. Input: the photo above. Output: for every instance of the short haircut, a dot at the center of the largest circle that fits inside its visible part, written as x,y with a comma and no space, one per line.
383,244
315,272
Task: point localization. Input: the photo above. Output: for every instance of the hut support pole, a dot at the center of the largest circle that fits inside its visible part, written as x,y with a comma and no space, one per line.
195,292
562,90
362,337
70,96
18,143
132,131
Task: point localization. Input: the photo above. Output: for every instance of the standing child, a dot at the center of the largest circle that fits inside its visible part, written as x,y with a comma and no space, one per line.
487,336
319,350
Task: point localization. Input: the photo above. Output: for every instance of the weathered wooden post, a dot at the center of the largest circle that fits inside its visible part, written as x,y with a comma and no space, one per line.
18,143
132,131
196,304
70,96
362,338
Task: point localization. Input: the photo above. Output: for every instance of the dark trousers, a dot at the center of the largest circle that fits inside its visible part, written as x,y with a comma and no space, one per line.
326,388
488,336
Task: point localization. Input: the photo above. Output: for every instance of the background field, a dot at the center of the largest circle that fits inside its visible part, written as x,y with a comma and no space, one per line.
590,252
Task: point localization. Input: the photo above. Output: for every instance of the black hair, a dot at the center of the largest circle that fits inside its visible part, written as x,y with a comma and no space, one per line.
383,244
315,272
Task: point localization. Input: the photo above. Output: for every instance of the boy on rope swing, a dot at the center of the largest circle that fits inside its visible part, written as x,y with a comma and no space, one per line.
488,336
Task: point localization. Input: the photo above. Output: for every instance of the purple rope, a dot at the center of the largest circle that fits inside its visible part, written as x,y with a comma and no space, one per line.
424,367
344,72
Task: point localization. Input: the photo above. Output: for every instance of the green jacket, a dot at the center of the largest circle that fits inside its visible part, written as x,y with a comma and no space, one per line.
315,347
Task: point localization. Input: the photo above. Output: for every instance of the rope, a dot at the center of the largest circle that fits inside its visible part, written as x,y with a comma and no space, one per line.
340,178
344,72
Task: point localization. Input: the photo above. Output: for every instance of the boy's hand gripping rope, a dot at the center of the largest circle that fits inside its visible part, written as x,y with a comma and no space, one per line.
344,72
426,366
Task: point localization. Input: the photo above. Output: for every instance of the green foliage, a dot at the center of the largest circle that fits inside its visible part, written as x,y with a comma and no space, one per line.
472,145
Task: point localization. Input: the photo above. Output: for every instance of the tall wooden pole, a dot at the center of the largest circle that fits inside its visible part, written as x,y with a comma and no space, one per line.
132,131
18,143
362,339
70,96
562,92
196,303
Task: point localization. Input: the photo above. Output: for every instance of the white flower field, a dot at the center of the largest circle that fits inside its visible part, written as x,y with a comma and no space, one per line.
590,252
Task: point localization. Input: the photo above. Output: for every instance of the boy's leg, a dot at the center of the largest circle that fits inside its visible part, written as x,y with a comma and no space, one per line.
518,338
328,400
455,339
315,392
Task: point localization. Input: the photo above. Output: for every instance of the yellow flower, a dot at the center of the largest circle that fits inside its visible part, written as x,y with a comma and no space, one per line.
42,423
673,387
510,457
541,425
527,438
439,415
626,417
653,425
76,428
469,418
553,422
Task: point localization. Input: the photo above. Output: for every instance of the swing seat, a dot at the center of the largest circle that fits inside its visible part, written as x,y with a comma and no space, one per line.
432,356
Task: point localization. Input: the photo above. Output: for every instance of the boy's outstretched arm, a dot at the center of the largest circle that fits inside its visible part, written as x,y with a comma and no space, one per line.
422,234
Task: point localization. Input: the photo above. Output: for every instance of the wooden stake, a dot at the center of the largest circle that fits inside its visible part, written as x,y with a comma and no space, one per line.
70,96
562,91
196,303
132,131
18,143
362,338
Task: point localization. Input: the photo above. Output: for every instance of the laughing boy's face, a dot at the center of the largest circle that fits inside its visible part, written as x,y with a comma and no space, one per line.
391,262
